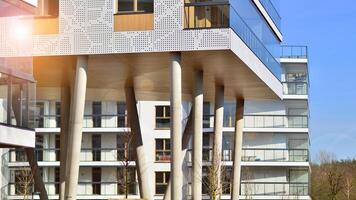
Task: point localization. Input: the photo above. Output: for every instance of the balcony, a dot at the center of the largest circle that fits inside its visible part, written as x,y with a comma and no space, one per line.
86,155
207,15
275,155
294,52
274,189
89,121
272,12
257,155
105,121
276,121
114,188
17,97
295,88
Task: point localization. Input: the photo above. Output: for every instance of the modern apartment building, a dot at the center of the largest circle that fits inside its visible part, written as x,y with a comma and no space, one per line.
151,99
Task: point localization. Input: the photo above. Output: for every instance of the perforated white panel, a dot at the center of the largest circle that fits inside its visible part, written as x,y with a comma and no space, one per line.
86,27
15,36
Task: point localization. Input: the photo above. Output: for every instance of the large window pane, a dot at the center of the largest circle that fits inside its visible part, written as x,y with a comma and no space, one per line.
3,98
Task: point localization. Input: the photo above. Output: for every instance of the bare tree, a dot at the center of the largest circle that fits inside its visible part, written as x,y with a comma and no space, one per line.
24,182
348,186
210,178
332,174
125,155
248,189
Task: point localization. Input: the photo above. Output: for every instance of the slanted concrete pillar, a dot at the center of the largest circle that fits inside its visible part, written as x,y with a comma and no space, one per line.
197,137
188,132
65,109
239,125
39,185
75,128
218,132
141,162
16,104
176,126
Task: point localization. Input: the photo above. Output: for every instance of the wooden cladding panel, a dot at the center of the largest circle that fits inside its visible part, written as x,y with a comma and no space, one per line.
133,22
45,25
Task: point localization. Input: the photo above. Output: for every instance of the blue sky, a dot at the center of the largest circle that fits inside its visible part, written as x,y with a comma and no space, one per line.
328,27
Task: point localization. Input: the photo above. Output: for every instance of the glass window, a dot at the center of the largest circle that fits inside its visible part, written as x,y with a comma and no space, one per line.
296,77
162,180
163,150
39,115
56,179
207,149
57,146
96,180
206,115
141,6
163,117
229,114
4,82
96,144
58,114
39,147
97,114
121,114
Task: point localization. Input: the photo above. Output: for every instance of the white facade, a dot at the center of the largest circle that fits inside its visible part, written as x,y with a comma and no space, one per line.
275,146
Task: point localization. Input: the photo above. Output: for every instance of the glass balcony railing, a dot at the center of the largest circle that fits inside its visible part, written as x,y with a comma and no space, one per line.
86,155
203,15
105,121
275,155
48,121
257,155
272,12
89,121
299,52
295,88
114,188
239,26
276,121
274,189
226,155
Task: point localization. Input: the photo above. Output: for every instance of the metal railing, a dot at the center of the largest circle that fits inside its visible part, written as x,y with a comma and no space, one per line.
272,12
295,88
86,155
274,189
289,51
276,121
84,188
274,155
